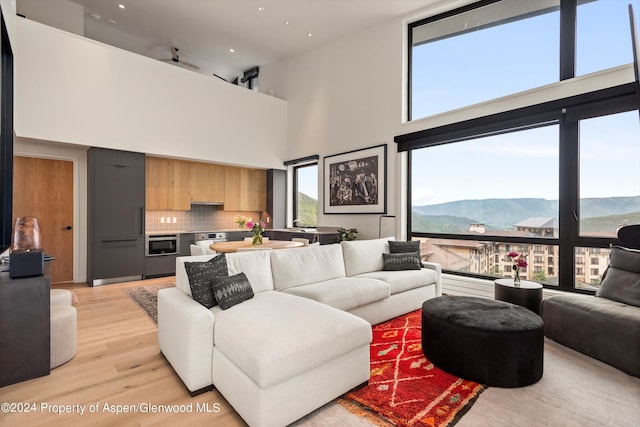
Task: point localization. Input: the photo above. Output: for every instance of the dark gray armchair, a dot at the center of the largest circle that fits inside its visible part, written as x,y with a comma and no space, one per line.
605,326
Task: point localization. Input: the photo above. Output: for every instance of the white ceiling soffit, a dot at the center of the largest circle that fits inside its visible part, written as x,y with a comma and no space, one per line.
258,31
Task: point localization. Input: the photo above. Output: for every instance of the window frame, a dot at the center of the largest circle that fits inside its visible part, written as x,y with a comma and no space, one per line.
566,112
296,168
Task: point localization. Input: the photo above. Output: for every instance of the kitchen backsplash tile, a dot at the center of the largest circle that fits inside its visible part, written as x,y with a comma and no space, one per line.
199,218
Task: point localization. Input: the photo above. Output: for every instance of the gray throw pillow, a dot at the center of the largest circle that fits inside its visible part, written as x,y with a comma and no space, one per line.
200,276
399,247
401,261
231,290
622,279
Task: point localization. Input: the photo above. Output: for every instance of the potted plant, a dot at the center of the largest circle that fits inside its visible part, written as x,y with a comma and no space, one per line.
348,233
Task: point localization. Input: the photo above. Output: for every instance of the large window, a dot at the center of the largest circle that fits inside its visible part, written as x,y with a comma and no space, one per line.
494,48
485,53
555,179
603,39
609,173
306,195
504,184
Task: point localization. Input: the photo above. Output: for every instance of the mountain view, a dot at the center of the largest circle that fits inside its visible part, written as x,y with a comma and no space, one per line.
307,209
597,214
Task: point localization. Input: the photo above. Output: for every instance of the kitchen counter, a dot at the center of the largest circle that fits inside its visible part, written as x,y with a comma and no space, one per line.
323,235
310,230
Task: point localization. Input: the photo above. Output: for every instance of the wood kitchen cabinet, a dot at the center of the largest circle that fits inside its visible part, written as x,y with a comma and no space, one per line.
207,182
174,184
259,190
231,189
168,185
245,189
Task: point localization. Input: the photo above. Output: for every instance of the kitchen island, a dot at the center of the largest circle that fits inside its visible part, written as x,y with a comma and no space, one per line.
324,235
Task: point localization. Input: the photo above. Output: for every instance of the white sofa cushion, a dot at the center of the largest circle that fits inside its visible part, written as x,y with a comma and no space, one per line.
344,293
302,266
364,256
285,336
256,265
403,280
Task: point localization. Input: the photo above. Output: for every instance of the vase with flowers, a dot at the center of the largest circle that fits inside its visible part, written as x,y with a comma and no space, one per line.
518,261
241,220
257,228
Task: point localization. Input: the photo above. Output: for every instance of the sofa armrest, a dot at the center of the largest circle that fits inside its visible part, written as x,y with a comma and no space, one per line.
438,269
185,336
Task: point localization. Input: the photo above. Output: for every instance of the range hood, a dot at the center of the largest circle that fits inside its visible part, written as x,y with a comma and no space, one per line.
207,203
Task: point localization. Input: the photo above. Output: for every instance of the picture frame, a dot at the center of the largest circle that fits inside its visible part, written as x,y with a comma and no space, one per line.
355,182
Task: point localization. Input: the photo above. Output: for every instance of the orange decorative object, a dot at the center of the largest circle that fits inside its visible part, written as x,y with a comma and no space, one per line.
26,234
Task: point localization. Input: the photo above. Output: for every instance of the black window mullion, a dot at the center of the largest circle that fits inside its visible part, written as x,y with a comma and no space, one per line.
568,203
567,39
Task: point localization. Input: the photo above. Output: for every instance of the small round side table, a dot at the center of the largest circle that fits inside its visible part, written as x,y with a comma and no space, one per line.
527,294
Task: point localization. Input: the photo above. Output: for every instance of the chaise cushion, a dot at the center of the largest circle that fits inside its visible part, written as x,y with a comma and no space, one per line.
266,338
302,266
401,281
364,256
622,279
344,293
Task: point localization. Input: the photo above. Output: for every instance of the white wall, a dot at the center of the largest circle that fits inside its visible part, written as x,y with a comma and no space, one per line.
351,94
75,90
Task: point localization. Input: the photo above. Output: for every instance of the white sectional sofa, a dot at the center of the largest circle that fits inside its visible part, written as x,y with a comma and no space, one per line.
302,340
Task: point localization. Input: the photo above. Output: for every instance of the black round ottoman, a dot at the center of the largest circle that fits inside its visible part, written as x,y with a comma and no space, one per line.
482,340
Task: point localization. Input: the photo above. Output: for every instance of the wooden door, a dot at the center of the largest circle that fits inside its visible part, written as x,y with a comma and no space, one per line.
43,188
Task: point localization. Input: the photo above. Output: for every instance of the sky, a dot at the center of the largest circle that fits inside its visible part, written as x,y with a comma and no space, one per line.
471,68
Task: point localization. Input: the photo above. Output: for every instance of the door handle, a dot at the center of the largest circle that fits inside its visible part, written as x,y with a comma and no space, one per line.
68,227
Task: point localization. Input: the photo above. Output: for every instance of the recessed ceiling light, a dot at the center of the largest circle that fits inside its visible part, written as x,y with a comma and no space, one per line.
232,50
309,34
111,21
95,16
260,9
286,22
121,6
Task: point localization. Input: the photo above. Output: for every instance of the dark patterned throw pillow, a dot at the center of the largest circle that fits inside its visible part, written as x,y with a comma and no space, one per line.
401,261
200,276
231,290
413,246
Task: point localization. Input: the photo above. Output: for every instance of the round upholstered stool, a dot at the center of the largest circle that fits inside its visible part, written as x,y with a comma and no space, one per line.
490,342
61,297
64,342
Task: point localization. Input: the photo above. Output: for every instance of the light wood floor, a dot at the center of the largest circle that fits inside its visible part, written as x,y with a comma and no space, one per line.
118,363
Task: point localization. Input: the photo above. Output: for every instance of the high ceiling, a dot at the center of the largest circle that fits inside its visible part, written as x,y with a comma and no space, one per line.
258,31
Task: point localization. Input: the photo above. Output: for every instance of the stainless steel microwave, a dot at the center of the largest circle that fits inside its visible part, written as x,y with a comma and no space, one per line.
165,244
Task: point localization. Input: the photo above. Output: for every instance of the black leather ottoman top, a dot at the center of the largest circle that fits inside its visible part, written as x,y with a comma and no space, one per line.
490,342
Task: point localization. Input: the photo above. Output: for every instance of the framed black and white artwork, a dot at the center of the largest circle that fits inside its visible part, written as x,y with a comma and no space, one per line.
355,182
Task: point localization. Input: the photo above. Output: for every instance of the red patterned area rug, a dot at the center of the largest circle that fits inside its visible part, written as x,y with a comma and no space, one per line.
405,389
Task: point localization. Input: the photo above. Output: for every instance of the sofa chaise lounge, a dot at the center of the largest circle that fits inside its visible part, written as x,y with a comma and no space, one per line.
605,326
303,338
